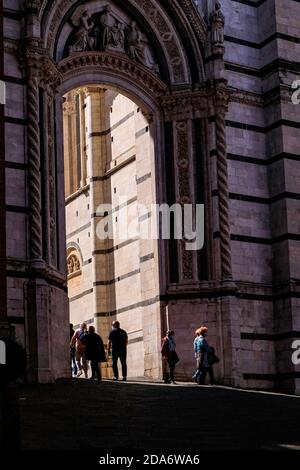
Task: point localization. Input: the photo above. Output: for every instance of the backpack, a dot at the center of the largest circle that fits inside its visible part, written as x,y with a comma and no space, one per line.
80,346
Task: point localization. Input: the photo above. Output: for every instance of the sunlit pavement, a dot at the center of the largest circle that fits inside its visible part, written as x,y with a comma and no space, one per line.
141,415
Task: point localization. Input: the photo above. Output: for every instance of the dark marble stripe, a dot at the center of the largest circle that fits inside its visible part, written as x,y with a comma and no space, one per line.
16,320
117,279
17,121
143,303
144,217
13,14
273,67
265,42
79,230
266,241
142,132
145,258
136,340
14,80
263,130
115,209
143,178
80,296
262,161
261,200
112,128
115,248
17,209
271,337
16,166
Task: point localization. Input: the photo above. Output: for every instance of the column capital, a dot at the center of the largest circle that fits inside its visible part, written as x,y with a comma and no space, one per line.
186,104
91,90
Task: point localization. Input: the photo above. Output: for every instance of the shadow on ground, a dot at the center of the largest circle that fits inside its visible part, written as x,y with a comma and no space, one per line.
84,415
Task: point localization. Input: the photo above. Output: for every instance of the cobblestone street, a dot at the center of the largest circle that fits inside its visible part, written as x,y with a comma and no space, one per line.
80,415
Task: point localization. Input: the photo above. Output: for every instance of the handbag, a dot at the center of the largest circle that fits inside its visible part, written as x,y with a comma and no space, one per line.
175,357
213,358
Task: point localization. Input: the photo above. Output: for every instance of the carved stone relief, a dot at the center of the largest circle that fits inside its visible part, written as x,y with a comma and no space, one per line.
106,32
73,264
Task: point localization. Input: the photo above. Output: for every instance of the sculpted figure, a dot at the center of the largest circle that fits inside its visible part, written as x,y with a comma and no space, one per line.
113,31
137,47
217,25
136,44
83,40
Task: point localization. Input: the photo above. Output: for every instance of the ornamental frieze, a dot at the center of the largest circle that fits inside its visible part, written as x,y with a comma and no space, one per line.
113,62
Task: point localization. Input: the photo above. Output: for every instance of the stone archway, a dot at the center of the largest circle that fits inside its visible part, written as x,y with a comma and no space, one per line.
187,101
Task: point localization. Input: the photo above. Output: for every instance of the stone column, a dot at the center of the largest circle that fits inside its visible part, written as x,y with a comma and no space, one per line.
51,182
97,148
82,139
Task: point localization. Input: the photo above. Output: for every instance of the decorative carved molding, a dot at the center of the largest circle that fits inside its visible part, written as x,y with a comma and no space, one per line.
154,15
188,104
33,136
184,190
109,61
246,97
52,194
195,19
182,161
282,94
221,105
221,97
36,61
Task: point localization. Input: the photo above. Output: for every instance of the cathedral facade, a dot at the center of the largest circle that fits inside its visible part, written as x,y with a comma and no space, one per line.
117,107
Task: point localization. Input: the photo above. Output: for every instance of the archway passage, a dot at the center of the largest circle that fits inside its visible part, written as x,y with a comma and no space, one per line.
109,165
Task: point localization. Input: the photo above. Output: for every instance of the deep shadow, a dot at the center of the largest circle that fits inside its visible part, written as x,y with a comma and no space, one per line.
84,415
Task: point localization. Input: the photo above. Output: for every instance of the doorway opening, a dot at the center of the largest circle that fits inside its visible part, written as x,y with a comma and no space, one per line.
109,165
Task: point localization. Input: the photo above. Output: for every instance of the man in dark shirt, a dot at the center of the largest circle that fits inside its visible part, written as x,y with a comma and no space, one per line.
117,343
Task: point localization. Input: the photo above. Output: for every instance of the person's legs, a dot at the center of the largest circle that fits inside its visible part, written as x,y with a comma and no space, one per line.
115,364
203,372
166,376
78,362
123,355
197,373
211,375
73,363
172,369
84,365
98,370
93,370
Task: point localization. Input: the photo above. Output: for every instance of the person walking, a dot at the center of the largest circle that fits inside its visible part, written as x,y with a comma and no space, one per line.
117,345
169,354
94,352
204,357
72,353
78,342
